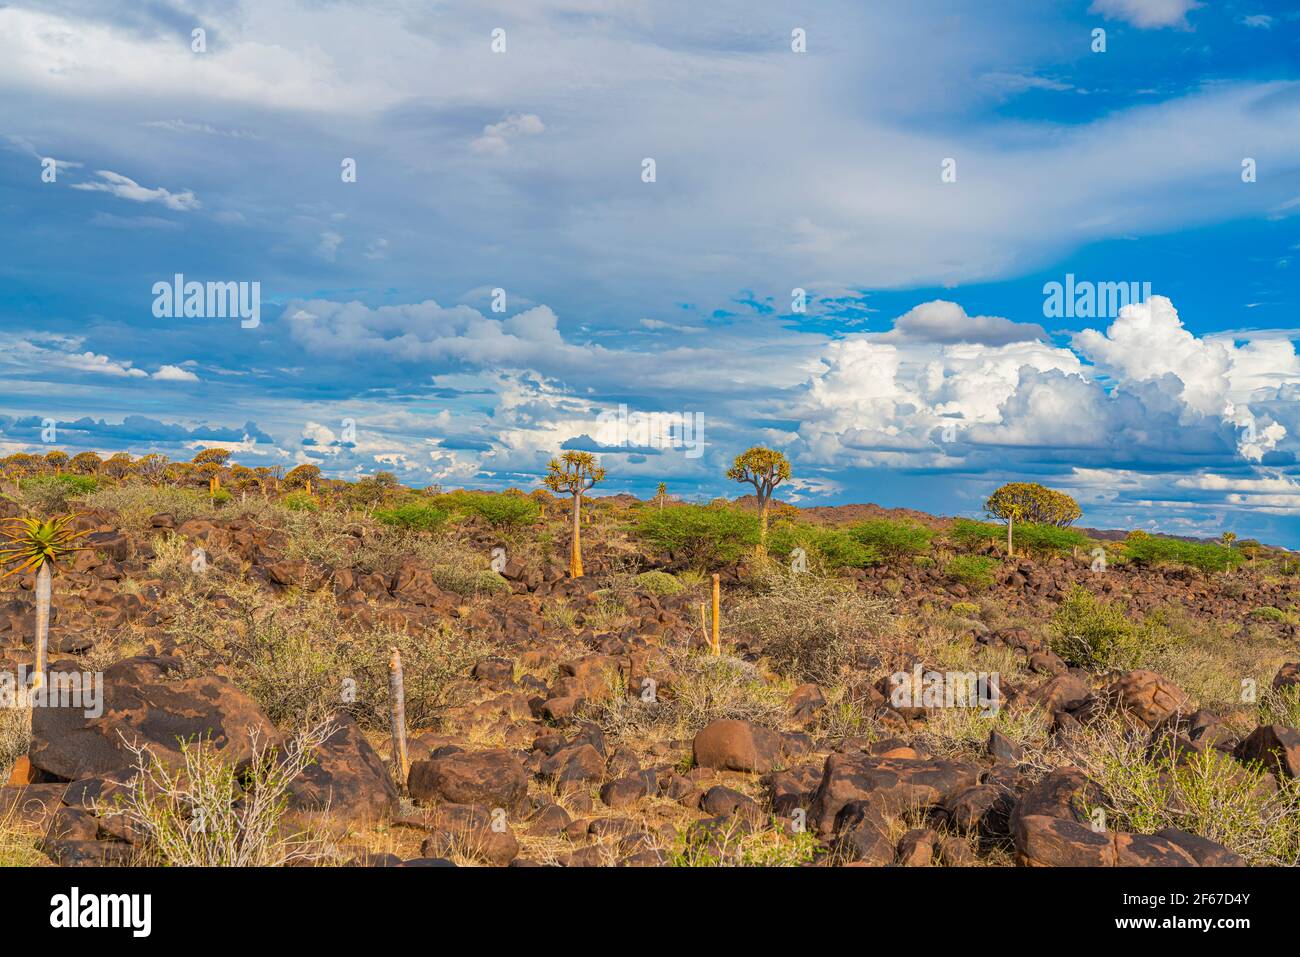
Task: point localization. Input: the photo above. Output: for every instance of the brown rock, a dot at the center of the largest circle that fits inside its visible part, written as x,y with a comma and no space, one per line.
1146,696
741,746
1275,746
916,848
487,779
894,785
140,708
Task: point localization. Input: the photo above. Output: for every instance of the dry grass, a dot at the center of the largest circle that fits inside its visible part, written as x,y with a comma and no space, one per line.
301,661
1212,661
15,735
812,628
703,689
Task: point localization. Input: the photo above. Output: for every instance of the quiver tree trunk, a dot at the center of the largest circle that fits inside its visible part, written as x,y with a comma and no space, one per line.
575,549
41,641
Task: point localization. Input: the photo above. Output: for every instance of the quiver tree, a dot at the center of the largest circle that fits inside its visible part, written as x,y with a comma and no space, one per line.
57,460
764,469
86,463
118,466
243,479
302,477
573,474
1033,503
209,464
661,493
152,468
39,545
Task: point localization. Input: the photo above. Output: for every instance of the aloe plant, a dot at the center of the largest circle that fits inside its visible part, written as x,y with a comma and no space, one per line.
39,545
575,473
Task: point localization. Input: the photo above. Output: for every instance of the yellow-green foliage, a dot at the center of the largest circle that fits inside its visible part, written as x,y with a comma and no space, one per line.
892,538
973,571
1208,557
658,583
1032,503
1089,632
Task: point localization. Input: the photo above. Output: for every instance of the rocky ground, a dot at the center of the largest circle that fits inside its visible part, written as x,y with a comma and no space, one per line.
583,722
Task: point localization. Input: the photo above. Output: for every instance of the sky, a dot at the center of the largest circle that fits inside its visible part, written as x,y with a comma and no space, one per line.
888,239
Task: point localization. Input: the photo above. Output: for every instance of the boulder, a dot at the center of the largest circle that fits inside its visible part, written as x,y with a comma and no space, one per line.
141,709
728,745
1062,693
488,779
861,834
1288,676
1146,696
1275,746
894,785
347,778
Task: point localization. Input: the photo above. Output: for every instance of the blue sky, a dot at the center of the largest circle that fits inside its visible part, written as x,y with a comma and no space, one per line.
924,370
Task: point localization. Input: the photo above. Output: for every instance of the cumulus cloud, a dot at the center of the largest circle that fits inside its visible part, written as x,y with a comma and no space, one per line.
124,187
1215,377
427,332
171,373
943,321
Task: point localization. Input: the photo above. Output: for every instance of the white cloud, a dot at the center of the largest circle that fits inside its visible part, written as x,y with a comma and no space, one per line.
942,321
497,136
90,362
1146,14
170,373
124,187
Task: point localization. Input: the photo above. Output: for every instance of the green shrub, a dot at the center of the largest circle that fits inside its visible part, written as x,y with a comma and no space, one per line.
293,656
1269,613
891,538
1154,550
971,534
1209,794
704,536
965,609
973,571
1089,632
1047,538
415,515
658,583
833,548
300,502
499,511
221,496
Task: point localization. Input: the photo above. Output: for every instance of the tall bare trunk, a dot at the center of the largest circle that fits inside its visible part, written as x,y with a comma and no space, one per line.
1010,551
762,527
575,551
41,642
397,717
